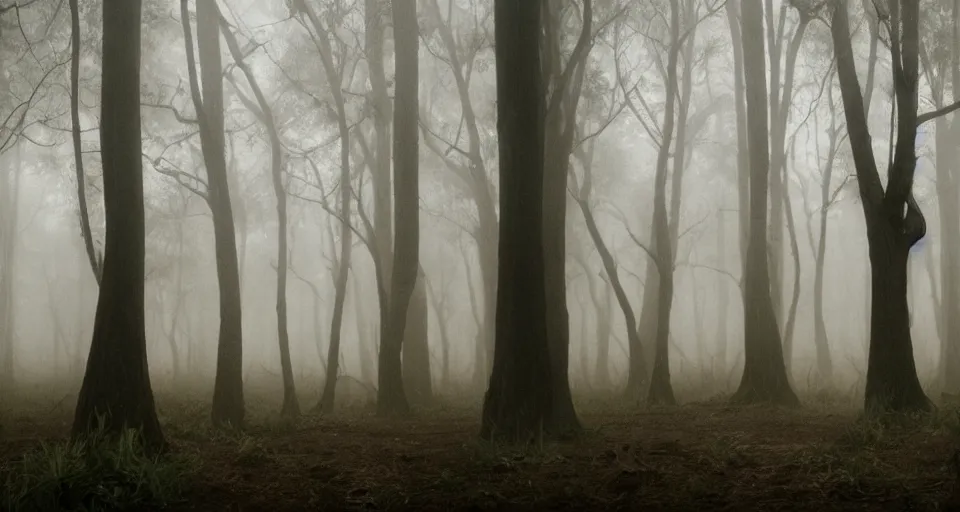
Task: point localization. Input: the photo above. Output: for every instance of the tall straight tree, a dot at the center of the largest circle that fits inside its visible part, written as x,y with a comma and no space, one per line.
893,218
391,399
518,403
228,407
764,374
116,384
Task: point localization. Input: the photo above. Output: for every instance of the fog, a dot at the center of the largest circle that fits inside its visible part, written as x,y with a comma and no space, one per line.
315,66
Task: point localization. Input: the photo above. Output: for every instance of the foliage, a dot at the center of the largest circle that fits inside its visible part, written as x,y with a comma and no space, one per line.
100,472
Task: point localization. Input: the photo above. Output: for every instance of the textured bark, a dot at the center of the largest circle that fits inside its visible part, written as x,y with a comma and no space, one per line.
291,406
391,397
518,404
228,406
894,221
92,257
335,83
764,375
116,385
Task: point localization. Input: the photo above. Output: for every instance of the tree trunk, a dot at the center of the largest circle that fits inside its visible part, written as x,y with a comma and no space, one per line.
391,397
723,294
116,384
291,406
518,404
374,33
10,210
764,375
228,406
417,378
894,221
743,164
95,262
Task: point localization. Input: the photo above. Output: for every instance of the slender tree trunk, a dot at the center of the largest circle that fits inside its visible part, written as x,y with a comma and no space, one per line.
291,406
95,263
743,163
10,210
723,293
764,375
228,406
391,397
116,384
518,404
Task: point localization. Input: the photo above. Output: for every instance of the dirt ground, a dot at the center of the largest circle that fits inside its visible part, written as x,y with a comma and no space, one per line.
702,456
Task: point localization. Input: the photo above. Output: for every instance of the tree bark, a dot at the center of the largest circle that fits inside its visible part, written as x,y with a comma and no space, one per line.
518,404
228,406
764,375
116,385
391,396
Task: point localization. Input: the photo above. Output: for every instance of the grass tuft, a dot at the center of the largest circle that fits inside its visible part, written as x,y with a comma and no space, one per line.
99,472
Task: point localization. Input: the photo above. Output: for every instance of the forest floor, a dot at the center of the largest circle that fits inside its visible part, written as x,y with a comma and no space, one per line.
700,456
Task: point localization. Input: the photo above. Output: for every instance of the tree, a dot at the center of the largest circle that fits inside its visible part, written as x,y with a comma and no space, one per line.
96,261
566,83
518,403
764,374
391,399
228,406
342,266
893,218
264,113
116,384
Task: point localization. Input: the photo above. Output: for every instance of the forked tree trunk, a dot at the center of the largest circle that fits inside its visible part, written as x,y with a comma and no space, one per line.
291,406
228,406
116,385
894,221
518,404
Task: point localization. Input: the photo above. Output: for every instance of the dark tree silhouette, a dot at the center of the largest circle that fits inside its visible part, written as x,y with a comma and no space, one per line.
518,403
116,384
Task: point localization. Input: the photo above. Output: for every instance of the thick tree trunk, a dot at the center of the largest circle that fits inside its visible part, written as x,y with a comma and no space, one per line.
417,377
228,406
764,375
894,221
391,397
518,404
116,384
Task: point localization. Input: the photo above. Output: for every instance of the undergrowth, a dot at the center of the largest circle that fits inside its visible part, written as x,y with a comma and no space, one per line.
99,472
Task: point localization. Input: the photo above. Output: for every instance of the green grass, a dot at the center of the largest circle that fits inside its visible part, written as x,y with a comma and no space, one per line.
100,472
